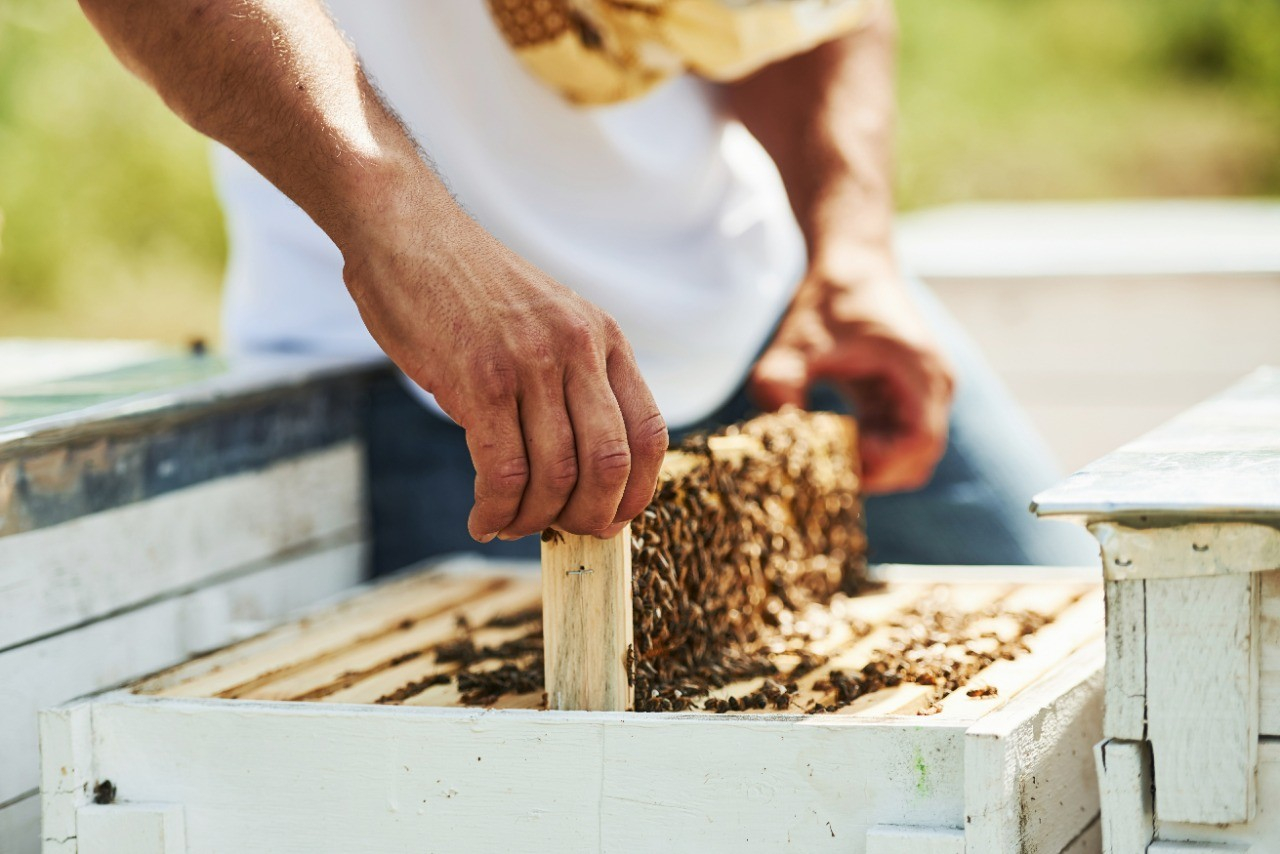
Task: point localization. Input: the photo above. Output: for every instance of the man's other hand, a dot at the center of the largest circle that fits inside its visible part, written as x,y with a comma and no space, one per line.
864,336
561,427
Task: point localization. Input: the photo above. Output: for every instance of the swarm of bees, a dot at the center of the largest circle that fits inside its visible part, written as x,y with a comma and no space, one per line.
761,519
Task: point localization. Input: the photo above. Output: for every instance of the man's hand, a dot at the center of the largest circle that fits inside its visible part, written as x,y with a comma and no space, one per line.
562,429
866,339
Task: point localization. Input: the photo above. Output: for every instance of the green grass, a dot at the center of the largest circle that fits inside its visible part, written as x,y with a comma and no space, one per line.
110,228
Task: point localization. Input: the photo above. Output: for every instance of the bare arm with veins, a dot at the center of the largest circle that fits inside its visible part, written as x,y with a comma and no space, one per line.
826,119
561,427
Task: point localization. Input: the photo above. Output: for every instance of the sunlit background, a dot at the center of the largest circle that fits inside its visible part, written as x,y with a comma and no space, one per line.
109,227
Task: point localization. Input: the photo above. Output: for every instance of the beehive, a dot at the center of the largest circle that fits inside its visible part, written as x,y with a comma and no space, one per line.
374,726
148,510
1189,521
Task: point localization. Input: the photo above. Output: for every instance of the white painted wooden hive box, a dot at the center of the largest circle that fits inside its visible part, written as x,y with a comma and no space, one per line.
335,734
154,504
1189,521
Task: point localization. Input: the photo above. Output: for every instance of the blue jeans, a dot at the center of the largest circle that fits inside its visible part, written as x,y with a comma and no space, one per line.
974,511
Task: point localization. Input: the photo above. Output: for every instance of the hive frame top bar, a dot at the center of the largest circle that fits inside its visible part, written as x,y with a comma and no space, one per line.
1219,461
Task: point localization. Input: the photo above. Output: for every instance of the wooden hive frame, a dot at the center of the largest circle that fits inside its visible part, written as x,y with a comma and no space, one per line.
336,732
1000,772
777,499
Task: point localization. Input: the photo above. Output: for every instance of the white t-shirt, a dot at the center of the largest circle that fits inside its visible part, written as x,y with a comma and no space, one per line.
661,211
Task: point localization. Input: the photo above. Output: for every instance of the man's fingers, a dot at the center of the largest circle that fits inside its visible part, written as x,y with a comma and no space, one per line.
646,436
502,469
604,455
781,377
895,463
902,425
553,460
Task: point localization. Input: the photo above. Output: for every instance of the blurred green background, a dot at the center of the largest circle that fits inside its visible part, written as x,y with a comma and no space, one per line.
110,228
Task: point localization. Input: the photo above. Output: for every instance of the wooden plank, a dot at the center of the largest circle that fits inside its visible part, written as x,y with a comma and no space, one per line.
66,574
1124,786
131,828
1126,700
1029,785
108,652
1263,832
1184,551
20,826
468,780
587,625
67,772
1269,629
902,839
1202,696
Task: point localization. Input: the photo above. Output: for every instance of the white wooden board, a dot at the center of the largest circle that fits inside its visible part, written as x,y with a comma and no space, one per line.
1202,696
1269,632
1029,778
1126,692
1124,785
108,652
56,577
1263,832
466,780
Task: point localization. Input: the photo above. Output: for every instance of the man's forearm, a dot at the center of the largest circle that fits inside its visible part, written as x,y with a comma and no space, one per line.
826,119
561,426
275,81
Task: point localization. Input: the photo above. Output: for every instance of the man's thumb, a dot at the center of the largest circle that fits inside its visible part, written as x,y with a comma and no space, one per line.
781,377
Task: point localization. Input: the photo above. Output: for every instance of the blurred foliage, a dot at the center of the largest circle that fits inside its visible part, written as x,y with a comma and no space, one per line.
110,228
109,223
1009,99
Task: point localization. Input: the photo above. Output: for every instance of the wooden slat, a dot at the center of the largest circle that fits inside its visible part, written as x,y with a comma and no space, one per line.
63,575
356,654
1202,696
108,652
1124,786
368,671
301,644
1126,715
1269,630
587,623
67,772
